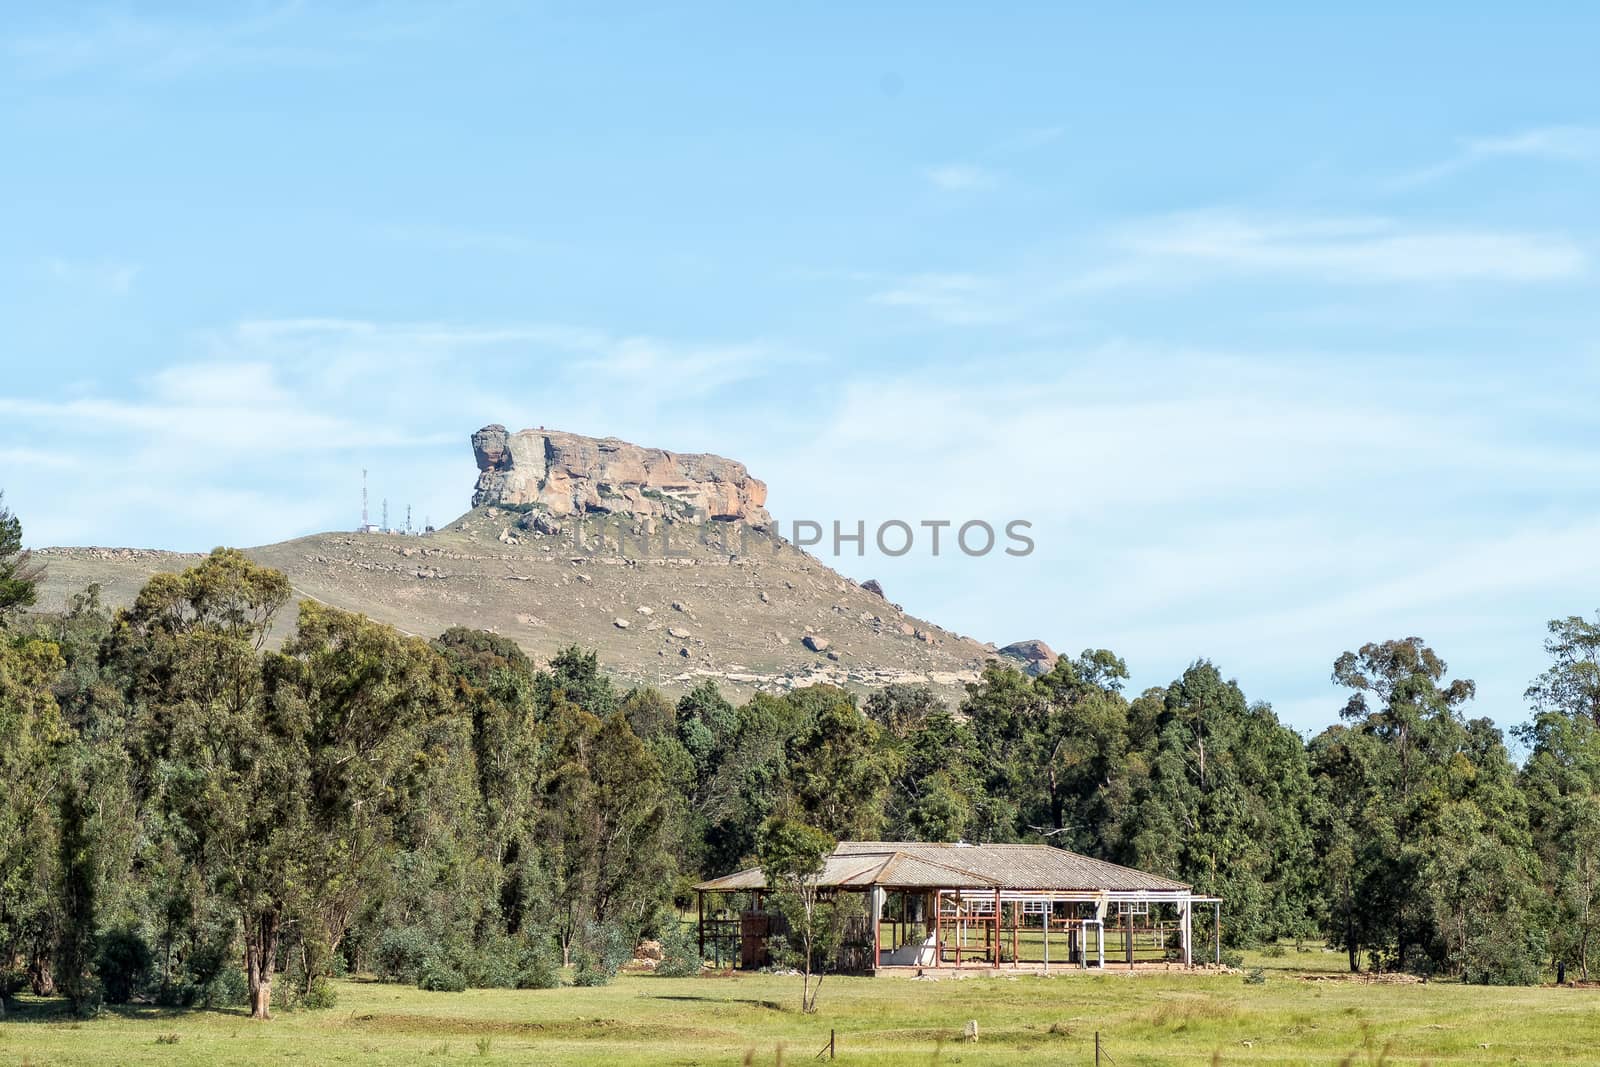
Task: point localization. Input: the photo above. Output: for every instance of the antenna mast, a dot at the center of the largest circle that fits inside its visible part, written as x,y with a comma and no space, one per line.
363,498
408,518
385,514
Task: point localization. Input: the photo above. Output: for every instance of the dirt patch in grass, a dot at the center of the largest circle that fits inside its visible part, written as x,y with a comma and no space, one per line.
1179,1013
556,1029
769,1005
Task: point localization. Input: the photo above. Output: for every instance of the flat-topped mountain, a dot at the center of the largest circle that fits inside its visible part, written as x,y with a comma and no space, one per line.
665,563
567,474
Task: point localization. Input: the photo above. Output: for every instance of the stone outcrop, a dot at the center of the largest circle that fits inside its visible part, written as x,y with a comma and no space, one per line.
563,474
1033,657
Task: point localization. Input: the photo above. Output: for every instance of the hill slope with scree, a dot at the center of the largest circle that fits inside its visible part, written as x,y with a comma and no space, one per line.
666,564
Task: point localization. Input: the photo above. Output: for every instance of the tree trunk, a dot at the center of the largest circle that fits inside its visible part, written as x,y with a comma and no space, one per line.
41,977
805,973
1588,903
260,951
1350,932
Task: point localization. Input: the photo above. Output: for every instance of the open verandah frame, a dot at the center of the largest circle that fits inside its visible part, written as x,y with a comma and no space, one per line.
919,928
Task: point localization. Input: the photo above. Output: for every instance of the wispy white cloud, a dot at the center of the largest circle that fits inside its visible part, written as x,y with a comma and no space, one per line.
151,46
978,171
1351,250
343,350
1190,504
144,44
959,177
1560,144
202,406
104,275
1549,142
956,299
37,458
257,438
1212,247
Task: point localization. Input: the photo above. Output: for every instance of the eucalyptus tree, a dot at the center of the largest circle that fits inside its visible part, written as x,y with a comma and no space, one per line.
496,686
1561,781
280,775
746,780
354,707
839,769
937,790
1220,796
1432,831
34,742
19,575
793,855
212,755
1051,749
1571,685
603,824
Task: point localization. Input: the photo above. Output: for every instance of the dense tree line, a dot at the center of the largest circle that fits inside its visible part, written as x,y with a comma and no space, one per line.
192,812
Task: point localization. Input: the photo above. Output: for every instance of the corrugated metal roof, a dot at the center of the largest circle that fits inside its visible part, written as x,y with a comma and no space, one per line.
1022,866
925,865
839,869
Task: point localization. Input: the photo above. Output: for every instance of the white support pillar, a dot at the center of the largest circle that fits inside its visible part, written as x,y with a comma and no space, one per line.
1186,924
1101,907
1050,913
875,899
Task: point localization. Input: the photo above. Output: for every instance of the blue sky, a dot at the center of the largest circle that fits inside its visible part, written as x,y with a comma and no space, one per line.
1280,327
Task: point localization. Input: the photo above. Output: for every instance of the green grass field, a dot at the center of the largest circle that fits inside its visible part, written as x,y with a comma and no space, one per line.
1143,1019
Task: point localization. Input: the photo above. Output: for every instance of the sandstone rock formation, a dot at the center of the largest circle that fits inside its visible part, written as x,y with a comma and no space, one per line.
569,474
1032,657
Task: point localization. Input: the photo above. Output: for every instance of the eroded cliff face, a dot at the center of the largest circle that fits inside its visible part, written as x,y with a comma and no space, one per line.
569,474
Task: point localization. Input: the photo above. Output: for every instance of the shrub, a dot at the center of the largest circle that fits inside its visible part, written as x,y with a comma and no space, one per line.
503,962
1501,957
225,989
1256,977
320,996
1274,950
123,964
541,964
438,976
1232,958
680,953
601,952
12,982
402,951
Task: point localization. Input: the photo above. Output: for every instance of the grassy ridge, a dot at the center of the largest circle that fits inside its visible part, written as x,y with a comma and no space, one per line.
1148,1019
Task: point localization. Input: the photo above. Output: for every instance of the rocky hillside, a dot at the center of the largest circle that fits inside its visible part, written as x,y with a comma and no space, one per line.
665,563
569,474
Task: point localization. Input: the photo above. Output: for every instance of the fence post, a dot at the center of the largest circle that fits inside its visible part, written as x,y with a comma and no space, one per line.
1097,1048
